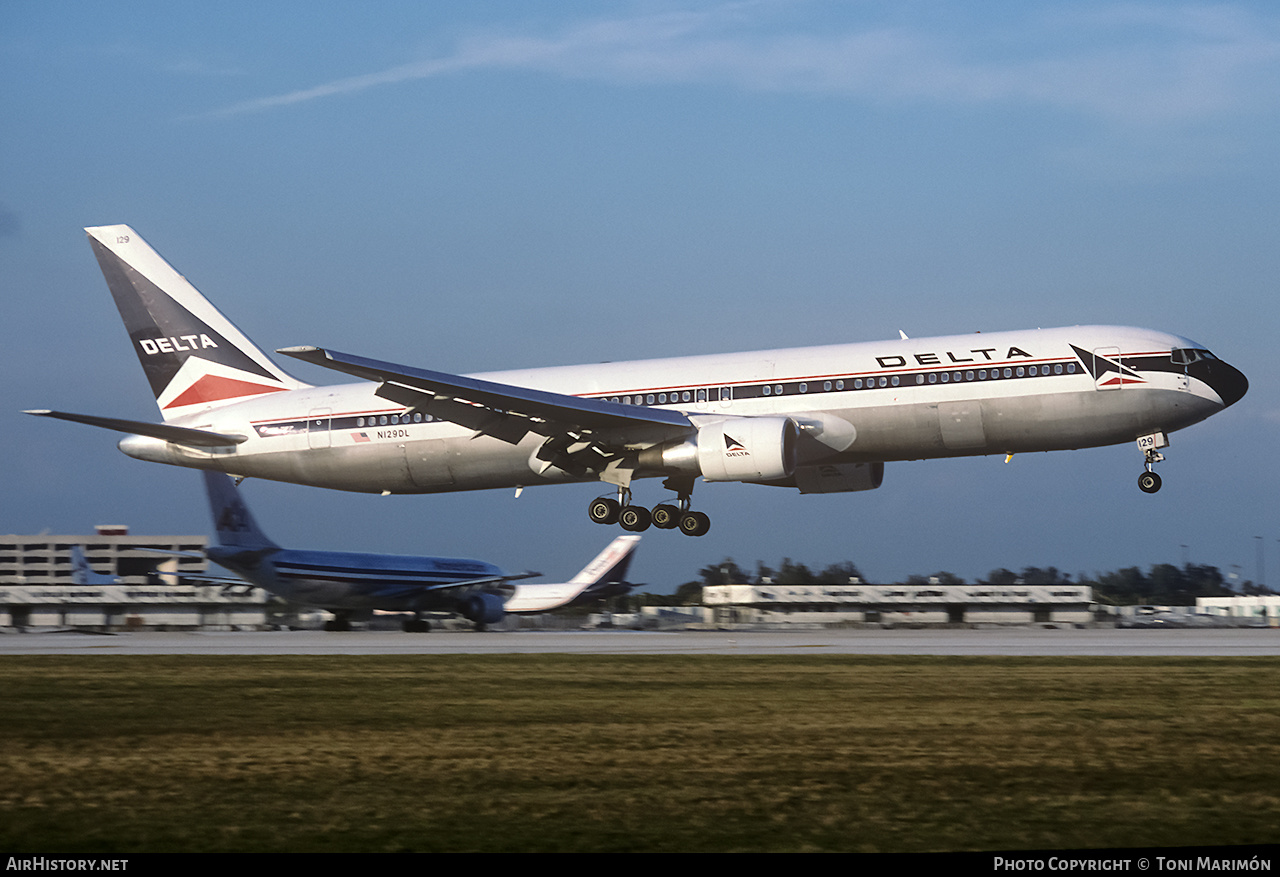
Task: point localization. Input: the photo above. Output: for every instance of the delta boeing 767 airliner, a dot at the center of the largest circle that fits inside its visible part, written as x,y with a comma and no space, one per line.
819,419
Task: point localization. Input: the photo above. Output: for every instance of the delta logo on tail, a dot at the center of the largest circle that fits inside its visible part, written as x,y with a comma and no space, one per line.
201,382
188,360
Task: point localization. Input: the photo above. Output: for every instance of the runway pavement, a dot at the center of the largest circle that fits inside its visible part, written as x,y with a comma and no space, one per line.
1023,641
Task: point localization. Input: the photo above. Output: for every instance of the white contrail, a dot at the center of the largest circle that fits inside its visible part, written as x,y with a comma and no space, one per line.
1130,63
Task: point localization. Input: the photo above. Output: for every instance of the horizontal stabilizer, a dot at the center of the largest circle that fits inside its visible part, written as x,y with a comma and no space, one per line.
179,435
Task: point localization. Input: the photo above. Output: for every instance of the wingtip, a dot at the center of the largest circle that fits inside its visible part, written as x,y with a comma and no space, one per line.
305,351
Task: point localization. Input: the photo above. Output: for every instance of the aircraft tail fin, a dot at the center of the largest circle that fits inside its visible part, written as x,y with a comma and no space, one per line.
193,356
233,524
82,573
605,576
609,566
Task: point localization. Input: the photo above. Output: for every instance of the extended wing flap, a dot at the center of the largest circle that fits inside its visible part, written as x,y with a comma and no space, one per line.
558,412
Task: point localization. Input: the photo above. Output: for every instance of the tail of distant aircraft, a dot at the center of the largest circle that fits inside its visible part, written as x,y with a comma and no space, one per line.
232,521
609,566
82,573
194,357
605,576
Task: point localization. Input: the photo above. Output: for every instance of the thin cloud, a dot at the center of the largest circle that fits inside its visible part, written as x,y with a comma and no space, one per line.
1128,63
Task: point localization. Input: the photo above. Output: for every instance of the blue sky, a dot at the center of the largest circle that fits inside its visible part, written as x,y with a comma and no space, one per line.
481,186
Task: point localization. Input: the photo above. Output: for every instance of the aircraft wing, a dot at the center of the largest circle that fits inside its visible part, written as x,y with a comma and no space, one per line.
472,584
504,411
224,582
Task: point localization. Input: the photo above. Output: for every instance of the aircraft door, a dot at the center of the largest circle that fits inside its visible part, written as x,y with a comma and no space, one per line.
1106,368
710,397
318,422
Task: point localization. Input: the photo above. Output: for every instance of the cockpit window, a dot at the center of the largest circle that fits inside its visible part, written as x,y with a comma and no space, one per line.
1188,355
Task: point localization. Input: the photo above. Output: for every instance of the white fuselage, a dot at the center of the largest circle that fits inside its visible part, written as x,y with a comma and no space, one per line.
961,395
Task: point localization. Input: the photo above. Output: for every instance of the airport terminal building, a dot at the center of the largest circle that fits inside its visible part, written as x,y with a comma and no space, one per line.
899,604
1263,610
37,588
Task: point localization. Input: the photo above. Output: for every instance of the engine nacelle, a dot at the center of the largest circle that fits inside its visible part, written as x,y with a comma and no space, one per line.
482,608
748,449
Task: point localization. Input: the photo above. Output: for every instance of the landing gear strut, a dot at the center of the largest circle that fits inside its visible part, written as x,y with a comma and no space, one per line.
606,510
1149,481
416,624
341,621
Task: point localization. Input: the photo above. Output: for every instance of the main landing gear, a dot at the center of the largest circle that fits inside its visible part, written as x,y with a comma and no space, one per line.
664,516
417,624
1149,481
341,621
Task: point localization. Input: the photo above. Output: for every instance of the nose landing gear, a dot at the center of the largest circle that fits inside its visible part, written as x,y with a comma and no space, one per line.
1149,481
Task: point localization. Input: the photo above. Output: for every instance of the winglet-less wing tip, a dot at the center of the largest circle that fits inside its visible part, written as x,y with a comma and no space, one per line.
305,352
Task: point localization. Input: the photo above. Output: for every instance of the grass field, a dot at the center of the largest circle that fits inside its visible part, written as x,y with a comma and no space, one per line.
122,754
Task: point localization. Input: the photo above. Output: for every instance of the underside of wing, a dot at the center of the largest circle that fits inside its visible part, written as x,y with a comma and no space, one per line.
487,583
582,435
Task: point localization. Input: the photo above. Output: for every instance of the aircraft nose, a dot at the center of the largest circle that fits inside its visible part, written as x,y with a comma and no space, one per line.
1227,381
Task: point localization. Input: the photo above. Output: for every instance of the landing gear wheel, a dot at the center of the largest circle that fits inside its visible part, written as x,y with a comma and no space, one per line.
634,518
1148,482
604,510
665,517
695,524
417,625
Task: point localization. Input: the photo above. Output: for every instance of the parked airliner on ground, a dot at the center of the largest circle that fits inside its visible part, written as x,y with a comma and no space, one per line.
353,585
819,419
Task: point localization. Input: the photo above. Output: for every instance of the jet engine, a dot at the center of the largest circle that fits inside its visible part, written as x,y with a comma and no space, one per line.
732,449
482,608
